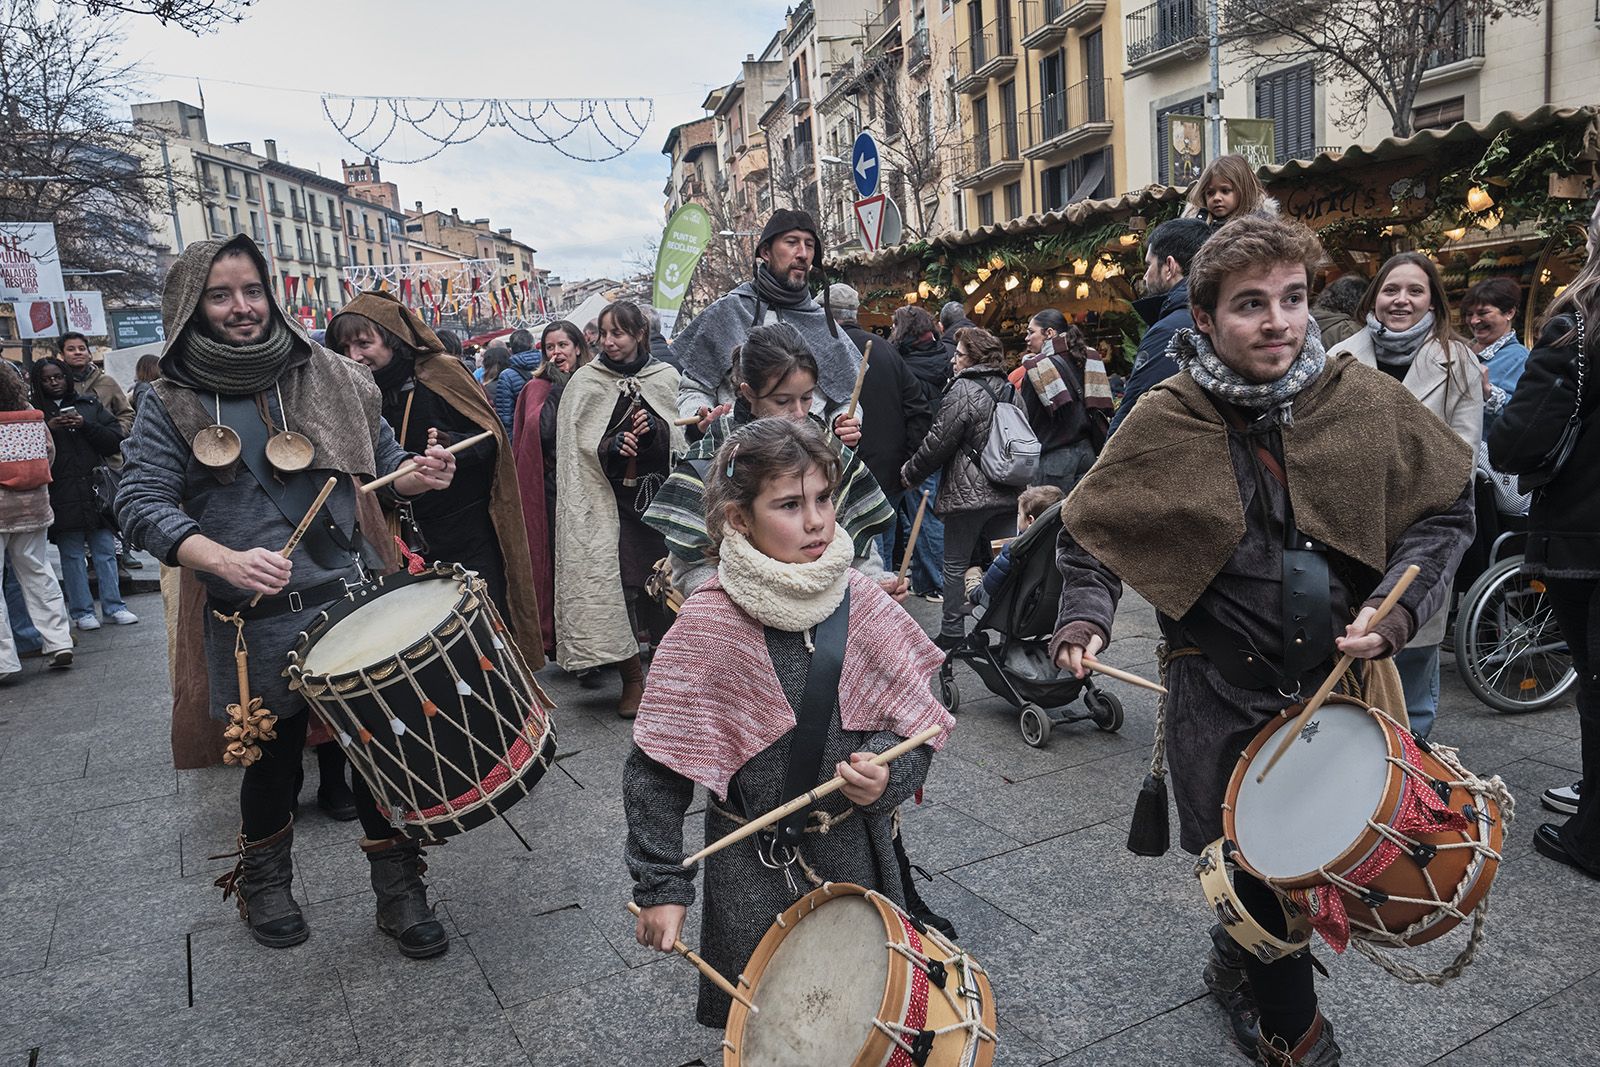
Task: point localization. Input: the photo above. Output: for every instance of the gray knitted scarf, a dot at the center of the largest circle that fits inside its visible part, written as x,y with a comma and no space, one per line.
237,370
1192,351
1398,348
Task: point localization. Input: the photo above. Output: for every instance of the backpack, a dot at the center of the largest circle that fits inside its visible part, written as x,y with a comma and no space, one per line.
24,449
1010,456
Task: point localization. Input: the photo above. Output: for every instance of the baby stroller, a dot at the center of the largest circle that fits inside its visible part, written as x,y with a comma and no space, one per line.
1009,646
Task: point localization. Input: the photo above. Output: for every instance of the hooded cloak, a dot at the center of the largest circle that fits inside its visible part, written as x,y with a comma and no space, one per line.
446,377
196,734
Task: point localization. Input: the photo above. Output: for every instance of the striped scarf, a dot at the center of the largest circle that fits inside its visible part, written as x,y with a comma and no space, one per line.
678,508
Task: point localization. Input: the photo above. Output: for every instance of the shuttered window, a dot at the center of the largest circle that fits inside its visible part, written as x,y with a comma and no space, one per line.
1197,106
1288,98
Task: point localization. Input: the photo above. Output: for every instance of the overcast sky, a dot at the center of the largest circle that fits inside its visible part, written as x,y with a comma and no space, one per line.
584,218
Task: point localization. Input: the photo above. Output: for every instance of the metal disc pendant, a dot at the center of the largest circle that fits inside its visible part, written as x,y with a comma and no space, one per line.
216,446
289,451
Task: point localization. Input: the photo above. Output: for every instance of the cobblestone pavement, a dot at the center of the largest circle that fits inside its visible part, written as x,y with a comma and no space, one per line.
115,948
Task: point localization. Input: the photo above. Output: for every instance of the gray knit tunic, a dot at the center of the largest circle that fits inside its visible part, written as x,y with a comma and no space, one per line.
742,897
165,495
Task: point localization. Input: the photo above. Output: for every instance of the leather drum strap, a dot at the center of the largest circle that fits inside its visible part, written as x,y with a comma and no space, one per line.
292,493
816,712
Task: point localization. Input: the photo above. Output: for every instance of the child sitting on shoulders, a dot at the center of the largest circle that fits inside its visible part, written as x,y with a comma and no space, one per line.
1227,189
1033,502
724,703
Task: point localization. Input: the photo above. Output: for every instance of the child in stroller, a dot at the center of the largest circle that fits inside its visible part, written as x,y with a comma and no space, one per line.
1009,645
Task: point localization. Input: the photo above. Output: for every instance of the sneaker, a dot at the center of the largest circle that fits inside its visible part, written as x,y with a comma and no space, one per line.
932,598
88,622
124,618
61,659
1563,798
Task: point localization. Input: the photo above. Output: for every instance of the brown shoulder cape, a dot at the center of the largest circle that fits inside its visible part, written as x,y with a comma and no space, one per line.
448,377
1364,459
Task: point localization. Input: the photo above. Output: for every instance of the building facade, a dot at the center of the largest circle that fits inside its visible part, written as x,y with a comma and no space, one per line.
471,239
373,220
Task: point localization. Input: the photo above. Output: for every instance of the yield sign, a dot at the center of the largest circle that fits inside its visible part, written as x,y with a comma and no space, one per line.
869,217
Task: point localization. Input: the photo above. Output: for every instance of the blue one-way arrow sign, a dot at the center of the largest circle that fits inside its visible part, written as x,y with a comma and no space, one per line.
864,164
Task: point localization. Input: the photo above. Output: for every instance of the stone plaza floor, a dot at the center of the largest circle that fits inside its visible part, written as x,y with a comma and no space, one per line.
116,949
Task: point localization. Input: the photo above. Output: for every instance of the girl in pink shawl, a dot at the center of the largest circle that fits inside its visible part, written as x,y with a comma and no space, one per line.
724,694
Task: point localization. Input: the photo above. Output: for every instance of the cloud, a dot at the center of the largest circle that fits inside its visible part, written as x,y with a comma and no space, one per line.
585,219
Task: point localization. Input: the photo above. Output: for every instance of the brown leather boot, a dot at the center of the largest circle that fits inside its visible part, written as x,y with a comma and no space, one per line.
632,672
1316,1048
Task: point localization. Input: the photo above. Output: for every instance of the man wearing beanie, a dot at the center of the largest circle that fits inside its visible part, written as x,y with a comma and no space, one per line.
785,257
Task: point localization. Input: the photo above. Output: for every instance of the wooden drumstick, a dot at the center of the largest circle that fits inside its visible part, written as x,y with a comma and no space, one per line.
706,969
1338,672
687,420
916,529
861,379
805,800
1121,675
410,465
300,531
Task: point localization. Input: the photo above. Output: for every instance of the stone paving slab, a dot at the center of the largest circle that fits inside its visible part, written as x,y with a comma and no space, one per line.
115,948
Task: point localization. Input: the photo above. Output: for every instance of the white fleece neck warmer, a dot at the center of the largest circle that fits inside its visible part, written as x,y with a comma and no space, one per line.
785,596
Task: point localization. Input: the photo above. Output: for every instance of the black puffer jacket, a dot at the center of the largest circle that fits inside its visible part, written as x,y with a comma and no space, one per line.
1564,522
960,427
78,453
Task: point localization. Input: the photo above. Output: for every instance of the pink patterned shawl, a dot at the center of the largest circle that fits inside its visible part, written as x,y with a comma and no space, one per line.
712,699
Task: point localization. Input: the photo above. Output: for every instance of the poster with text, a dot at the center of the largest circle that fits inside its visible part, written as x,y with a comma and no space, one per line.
86,313
1254,139
30,266
681,245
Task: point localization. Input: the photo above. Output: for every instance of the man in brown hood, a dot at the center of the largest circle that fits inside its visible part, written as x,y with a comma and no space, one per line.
234,359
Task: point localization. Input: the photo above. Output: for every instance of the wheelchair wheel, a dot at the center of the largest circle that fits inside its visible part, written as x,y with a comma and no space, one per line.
1508,648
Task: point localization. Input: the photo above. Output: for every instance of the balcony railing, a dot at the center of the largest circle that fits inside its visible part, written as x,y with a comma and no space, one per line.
984,55
259,236
799,96
251,194
282,251
233,190
1164,25
918,55
324,260
882,23
1063,120
366,231
1042,24
1459,39
316,217
298,212
993,153
276,207
304,255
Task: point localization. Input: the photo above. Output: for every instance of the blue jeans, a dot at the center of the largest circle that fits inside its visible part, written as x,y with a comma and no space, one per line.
22,627
927,561
1419,678
102,544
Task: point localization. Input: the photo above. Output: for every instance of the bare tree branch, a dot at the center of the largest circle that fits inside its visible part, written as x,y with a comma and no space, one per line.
61,84
1380,49
196,16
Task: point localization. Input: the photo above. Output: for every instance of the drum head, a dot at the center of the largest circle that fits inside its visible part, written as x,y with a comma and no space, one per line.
821,990
383,627
1316,802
